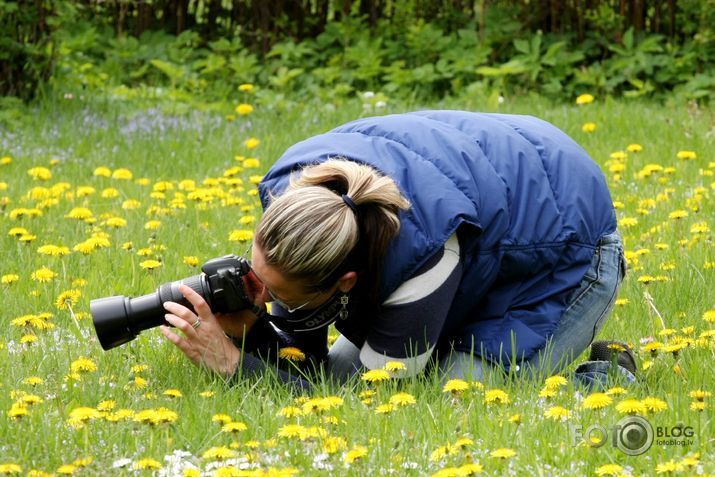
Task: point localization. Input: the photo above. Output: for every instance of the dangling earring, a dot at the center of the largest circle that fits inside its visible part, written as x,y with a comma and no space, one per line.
343,313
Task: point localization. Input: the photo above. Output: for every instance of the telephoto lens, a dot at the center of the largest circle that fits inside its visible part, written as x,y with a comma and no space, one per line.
119,319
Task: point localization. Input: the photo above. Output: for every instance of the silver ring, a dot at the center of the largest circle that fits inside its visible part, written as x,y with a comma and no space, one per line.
196,323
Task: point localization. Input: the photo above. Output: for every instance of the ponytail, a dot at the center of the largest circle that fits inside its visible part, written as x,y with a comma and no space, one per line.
337,216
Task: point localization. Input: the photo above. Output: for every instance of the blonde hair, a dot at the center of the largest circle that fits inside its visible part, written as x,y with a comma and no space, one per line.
311,234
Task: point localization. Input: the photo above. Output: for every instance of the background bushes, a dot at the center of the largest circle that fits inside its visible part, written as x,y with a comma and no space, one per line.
415,49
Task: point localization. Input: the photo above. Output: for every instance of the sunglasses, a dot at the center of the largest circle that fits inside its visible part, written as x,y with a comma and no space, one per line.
284,305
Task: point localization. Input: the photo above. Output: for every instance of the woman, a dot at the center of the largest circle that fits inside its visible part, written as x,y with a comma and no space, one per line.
441,237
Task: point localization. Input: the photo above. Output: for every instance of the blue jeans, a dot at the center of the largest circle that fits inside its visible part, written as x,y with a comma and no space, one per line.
589,306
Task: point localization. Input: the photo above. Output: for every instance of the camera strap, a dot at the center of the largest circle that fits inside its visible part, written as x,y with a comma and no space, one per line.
301,321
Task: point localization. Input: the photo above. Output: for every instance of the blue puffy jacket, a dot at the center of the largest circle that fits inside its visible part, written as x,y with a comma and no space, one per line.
529,203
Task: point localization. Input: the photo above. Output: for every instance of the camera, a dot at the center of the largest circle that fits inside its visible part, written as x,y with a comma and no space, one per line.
119,319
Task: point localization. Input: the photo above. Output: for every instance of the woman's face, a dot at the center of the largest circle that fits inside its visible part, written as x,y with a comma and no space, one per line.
292,295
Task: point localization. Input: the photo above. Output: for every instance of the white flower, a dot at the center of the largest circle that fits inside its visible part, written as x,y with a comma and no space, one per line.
121,463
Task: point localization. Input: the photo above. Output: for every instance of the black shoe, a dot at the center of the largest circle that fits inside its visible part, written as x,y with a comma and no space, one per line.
615,351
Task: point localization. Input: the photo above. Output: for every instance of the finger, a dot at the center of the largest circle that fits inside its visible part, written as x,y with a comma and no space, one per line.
180,342
181,324
180,310
197,301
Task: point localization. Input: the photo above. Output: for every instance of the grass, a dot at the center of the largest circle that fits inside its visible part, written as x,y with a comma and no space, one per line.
672,274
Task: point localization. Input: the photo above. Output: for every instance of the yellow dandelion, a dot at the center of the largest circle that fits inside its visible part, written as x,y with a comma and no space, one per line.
585,98
609,470
122,174
79,213
616,391
355,454
147,464
81,415
384,409
627,222
40,173
394,366
678,214
402,399
699,394
221,418
251,163
686,155
502,453
150,264
43,275
631,406
291,431
67,299
17,411
240,235
654,405
233,427
290,411
554,382
557,413
109,193
470,469
332,445
83,365
496,396
10,278
291,354
698,406
709,316
33,381
102,171
375,375
28,339
515,419
596,401
106,406
589,127
251,143
131,204
455,386
191,261
634,148
66,469
173,393
243,109
152,225
9,469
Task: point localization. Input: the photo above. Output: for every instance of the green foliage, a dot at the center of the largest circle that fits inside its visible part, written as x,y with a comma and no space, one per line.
407,55
26,47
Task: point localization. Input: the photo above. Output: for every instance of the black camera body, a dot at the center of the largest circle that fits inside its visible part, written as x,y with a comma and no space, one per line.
119,319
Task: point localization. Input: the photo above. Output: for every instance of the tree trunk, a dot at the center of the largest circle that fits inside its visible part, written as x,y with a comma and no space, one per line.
671,11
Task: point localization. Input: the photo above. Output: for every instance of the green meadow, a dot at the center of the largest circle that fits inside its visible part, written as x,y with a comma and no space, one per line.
107,197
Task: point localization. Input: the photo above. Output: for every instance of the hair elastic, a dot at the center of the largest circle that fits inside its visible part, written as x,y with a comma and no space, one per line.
349,202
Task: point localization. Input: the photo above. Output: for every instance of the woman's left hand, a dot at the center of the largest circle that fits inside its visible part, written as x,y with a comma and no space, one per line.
204,341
